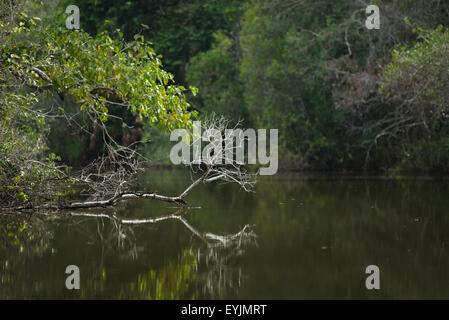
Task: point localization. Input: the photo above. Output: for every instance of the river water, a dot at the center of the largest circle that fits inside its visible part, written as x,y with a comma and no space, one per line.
296,237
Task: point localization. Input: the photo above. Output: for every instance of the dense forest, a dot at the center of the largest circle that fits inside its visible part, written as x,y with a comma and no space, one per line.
344,98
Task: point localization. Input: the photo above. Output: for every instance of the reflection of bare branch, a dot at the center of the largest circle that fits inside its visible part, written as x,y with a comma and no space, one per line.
215,255
217,274
208,237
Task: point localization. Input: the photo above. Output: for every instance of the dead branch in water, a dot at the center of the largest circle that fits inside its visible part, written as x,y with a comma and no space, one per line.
109,177
117,198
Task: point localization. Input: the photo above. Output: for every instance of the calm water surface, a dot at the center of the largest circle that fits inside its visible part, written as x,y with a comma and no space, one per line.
295,237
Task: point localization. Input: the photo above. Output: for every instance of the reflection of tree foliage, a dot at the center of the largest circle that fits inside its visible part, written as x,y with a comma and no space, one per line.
21,237
26,234
170,282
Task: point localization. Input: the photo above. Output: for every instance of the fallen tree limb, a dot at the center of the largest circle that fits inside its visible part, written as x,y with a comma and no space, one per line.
108,178
179,200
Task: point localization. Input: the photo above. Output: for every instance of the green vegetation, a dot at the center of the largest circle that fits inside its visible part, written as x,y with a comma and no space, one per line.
49,73
178,29
343,97
340,97
416,81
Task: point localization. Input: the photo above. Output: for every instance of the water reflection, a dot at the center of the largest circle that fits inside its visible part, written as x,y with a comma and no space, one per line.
315,237
216,274
204,266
